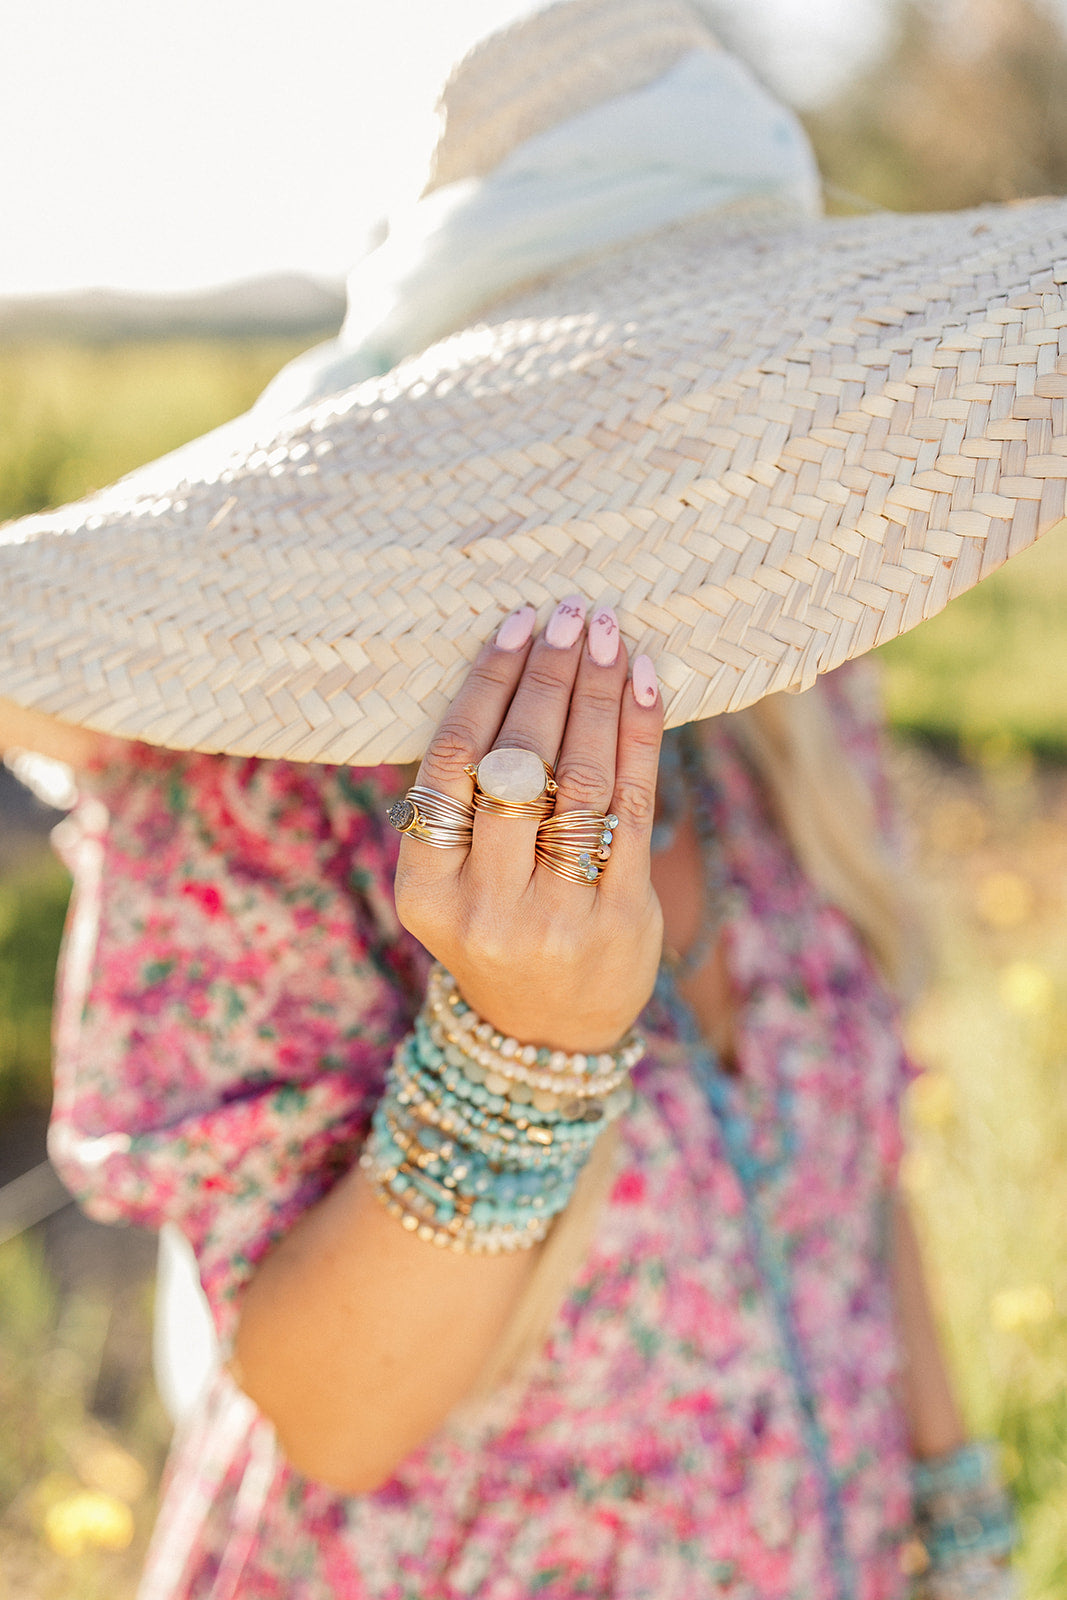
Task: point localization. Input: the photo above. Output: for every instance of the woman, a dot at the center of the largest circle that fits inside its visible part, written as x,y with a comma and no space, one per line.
473,1344
736,1272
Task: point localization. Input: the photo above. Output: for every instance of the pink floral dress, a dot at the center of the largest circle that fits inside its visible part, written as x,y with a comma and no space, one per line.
715,1411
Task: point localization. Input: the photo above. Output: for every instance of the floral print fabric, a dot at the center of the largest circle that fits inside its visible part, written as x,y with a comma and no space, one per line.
714,1411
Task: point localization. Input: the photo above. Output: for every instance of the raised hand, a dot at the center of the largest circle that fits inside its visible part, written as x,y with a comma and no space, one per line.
546,958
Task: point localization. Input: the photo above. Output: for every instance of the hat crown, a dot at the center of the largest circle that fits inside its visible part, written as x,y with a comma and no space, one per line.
555,64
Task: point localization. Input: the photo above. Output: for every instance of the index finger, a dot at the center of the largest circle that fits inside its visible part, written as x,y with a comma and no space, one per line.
469,726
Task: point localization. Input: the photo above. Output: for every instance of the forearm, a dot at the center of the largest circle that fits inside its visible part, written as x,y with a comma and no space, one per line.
33,730
935,1425
357,1339
357,1336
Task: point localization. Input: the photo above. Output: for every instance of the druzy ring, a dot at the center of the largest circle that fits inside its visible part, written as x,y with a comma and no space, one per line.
433,818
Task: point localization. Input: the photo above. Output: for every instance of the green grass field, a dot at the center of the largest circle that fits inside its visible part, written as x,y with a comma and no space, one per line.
981,695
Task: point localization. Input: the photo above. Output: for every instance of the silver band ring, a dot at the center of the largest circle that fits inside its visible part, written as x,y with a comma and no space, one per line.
433,818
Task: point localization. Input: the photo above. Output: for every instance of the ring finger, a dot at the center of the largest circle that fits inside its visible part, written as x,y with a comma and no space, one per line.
586,770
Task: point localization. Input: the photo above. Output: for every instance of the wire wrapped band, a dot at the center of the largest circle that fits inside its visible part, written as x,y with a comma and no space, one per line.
530,802
576,844
433,818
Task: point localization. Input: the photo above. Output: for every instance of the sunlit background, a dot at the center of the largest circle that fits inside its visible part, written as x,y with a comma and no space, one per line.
220,163
169,146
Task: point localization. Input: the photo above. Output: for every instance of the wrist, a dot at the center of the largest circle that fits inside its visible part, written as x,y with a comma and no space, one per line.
965,1522
575,1023
583,1070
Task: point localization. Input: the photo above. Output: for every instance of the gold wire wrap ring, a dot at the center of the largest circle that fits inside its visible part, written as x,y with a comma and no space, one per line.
576,844
513,783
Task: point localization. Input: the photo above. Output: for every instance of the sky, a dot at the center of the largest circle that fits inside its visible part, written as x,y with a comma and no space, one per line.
167,147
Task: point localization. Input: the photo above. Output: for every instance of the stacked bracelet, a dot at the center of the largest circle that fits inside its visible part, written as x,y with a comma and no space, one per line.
509,1064
965,1525
478,1160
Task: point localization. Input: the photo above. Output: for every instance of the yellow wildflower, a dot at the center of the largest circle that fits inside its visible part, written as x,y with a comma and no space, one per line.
88,1520
1019,1310
1026,987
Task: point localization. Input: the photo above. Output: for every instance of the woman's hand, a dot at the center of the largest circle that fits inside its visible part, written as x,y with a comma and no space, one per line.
549,961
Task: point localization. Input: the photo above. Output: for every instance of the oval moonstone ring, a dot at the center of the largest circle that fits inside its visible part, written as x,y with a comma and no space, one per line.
517,776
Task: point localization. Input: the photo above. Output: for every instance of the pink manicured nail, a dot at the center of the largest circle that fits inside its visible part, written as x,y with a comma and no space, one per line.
566,623
604,636
645,686
515,630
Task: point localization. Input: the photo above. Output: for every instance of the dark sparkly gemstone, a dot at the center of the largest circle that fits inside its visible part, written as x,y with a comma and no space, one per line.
402,815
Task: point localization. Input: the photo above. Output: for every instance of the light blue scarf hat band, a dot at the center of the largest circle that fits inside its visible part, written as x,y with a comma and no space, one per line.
703,136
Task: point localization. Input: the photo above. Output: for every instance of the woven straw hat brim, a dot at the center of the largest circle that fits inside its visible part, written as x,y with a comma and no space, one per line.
770,449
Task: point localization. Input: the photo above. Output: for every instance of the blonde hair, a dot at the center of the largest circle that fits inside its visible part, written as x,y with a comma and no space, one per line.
828,815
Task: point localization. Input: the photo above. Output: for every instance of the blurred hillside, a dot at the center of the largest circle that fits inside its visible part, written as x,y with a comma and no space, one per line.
281,305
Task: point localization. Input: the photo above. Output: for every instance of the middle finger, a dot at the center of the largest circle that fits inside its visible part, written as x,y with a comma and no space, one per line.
502,849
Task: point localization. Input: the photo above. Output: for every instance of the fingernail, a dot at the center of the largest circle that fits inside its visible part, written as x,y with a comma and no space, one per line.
644,682
566,623
515,630
604,636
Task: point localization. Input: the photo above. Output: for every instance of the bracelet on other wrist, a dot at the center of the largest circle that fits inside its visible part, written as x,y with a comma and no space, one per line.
965,1526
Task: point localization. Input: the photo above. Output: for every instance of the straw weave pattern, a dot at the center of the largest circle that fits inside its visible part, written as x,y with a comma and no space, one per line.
556,64
771,449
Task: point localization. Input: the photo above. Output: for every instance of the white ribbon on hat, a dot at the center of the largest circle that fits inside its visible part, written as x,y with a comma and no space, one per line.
703,136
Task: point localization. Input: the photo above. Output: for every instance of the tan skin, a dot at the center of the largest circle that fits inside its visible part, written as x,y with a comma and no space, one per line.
358,1340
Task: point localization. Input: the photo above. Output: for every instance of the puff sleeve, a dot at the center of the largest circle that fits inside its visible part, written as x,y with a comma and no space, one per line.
232,983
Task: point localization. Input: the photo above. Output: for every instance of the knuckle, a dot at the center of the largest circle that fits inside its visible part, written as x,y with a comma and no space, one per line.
486,942
414,906
646,737
452,746
559,944
490,672
542,680
407,907
634,804
583,781
602,700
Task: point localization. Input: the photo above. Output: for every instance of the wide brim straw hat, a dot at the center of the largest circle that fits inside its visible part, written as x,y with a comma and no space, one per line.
772,444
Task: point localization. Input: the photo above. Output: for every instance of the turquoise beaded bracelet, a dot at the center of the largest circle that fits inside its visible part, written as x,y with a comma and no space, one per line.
480,1160
965,1524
